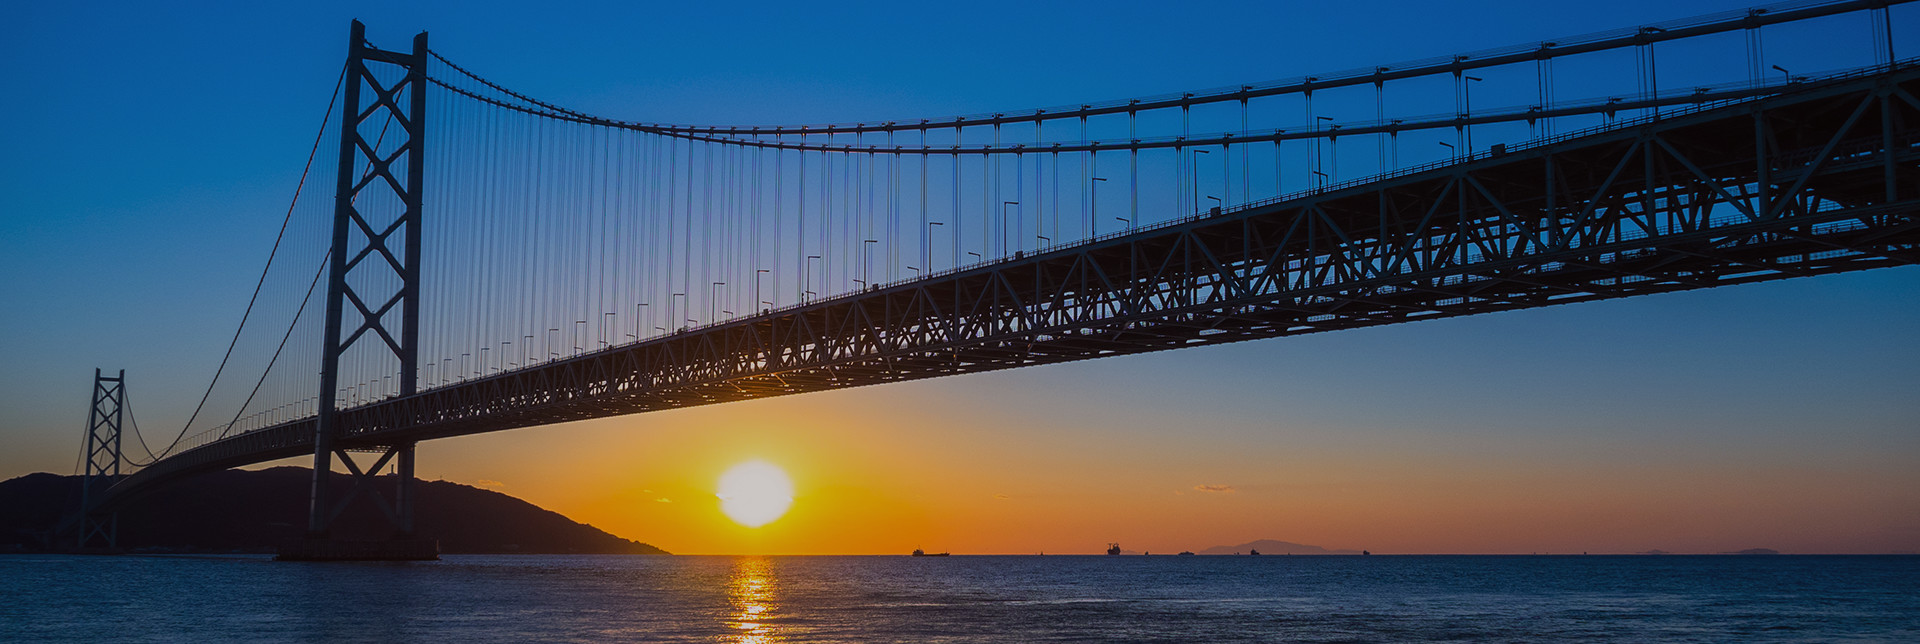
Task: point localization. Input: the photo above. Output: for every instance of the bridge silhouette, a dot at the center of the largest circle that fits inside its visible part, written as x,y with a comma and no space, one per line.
494,261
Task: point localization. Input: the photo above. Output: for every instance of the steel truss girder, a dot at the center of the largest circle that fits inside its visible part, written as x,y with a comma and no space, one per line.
1811,183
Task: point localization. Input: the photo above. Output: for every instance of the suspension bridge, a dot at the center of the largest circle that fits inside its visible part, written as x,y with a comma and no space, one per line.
491,261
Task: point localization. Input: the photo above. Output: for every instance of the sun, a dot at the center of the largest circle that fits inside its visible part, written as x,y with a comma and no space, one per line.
755,493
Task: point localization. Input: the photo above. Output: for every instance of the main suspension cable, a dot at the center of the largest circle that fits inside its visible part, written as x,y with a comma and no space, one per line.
260,285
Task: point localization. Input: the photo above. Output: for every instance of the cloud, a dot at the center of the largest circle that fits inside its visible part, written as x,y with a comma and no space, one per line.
1002,497
1221,489
663,500
490,484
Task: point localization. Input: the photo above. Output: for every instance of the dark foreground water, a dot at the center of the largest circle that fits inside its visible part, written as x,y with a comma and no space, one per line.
1006,599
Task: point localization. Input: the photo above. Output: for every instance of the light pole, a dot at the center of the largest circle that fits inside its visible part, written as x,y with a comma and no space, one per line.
929,258
866,261
1004,243
1226,174
806,278
1195,179
713,302
670,308
1785,76
1316,154
579,329
756,284
1466,97
1093,207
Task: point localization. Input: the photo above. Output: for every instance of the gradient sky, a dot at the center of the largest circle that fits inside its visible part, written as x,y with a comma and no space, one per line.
150,150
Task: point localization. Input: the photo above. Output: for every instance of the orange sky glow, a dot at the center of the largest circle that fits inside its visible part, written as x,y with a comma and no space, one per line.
1148,452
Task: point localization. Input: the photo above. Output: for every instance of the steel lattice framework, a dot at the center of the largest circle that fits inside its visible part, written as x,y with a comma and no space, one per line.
106,416
1822,180
388,248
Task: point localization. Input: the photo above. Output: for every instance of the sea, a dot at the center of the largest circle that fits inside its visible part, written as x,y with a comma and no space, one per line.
751,599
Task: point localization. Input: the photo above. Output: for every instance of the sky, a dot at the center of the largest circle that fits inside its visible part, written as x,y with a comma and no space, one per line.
151,148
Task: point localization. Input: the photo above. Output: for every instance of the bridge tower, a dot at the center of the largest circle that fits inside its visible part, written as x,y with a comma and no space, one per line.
375,269
105,417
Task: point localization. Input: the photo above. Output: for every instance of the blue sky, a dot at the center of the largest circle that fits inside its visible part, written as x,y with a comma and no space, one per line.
151,148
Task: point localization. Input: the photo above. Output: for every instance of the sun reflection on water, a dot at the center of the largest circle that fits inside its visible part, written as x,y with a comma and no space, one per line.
752,592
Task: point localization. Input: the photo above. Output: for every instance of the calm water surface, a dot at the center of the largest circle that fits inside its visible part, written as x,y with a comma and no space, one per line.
962,599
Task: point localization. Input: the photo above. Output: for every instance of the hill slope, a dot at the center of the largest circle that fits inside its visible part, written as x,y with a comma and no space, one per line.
242,510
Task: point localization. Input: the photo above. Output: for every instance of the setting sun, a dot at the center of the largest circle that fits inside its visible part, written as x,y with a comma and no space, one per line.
755,493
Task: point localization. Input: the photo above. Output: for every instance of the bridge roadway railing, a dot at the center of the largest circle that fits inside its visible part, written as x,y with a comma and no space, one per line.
1822,180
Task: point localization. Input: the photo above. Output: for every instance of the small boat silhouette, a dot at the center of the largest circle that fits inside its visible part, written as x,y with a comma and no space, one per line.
1186,553
922,553
1113,548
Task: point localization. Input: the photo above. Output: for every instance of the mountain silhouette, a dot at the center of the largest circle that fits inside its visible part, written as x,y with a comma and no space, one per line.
1273,547
257,510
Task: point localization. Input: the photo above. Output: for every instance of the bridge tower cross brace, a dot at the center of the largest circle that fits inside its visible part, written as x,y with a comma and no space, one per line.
386,158
105,417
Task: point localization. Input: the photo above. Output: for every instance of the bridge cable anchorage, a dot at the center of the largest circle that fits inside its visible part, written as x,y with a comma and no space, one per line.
258,285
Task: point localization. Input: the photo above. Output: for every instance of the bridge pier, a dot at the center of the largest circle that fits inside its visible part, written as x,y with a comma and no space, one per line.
401,545
99,532
379,259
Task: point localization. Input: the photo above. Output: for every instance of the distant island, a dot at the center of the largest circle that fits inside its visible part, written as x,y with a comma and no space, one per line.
256,510
1272,547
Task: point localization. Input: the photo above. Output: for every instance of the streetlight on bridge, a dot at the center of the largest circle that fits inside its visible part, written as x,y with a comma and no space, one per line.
806,278
1004,242
866,261
1195,179
929,258
756,286
1093,206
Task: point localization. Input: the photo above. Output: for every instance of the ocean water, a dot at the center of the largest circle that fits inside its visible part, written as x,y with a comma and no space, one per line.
965,599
